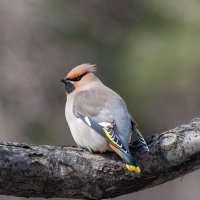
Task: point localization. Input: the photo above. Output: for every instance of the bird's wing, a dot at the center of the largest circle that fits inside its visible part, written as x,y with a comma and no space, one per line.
106,129
138,134
109,131
91,108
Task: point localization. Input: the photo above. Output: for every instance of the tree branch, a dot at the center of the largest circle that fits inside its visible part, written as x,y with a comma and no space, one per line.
53,171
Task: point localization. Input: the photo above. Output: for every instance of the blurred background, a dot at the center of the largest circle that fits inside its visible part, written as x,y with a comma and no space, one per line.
147,51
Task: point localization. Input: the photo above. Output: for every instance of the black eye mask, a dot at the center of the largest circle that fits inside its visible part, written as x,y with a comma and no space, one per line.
78,78
69,86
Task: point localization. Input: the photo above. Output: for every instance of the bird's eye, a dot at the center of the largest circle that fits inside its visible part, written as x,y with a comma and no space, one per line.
78,78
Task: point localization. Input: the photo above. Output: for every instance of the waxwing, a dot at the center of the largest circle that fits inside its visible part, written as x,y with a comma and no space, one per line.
98,117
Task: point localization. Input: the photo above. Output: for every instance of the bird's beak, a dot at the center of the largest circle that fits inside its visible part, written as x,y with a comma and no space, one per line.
65,80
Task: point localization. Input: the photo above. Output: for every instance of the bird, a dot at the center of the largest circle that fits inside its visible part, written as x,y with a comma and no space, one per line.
98,117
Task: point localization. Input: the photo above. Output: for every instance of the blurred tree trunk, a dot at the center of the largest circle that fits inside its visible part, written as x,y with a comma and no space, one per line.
68,172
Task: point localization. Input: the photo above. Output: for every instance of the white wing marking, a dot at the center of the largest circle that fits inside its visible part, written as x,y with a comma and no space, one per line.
105,124
87,121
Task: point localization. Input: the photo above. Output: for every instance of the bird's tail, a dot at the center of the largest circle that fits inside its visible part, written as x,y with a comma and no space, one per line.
131,163
140,138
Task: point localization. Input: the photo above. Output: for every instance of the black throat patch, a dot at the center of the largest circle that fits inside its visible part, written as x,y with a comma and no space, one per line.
69,87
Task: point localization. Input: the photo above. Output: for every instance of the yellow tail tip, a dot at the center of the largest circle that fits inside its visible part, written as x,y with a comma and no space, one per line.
133,168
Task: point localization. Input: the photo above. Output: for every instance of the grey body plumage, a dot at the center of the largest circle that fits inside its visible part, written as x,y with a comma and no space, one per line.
98,117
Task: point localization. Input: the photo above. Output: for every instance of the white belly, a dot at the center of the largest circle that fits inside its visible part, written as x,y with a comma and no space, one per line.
83,135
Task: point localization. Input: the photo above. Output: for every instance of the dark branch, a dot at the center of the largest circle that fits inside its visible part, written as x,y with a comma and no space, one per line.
52,171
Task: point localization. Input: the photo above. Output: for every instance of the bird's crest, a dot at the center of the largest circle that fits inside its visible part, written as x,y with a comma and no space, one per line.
81,70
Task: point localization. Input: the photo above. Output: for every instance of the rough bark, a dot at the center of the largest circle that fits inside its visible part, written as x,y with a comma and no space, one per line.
54,171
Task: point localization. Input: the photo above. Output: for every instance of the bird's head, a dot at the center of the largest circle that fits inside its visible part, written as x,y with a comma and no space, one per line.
78,77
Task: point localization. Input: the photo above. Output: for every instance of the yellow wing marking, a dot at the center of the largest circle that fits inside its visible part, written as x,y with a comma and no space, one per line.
109,136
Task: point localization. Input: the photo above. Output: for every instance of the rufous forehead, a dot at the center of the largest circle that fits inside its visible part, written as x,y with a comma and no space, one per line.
72,75
80,70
